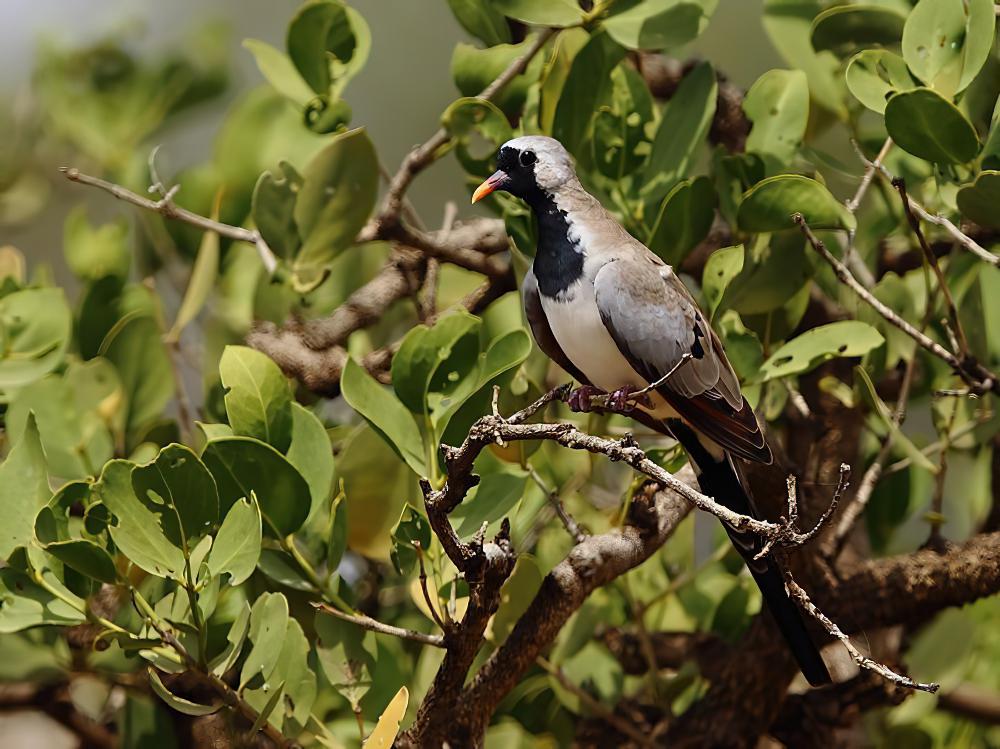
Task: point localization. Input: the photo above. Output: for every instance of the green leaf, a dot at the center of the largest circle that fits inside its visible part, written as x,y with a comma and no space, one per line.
899,439
178,488
946,42
924,123
682,129
778,106
412,530
35,327
86,557
203,274
181,705
470,119
426,351
237,544
587,86
266,710
495,496
279,71
26,604
138,532
339,187
684,220
273,208
384,734
74,436
768,206
146,723
874,75
311,453
721,268
258,399
336,537
482,20
318,32
473,69
846,28
346,655
235,639
243,465
376,483
558,13
93,253
24,490
656,24
845,338
268,622
979,200
788,24
136,349
620,144
385,413
516,594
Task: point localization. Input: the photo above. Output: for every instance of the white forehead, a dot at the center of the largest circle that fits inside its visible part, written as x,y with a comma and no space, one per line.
542,145
554,166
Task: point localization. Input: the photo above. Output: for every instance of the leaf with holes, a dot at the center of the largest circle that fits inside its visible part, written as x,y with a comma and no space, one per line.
845,338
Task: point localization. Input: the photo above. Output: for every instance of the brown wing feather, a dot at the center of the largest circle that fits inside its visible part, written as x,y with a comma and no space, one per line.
735,430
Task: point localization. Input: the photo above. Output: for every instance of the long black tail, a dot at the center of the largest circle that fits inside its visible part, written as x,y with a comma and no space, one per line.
721,480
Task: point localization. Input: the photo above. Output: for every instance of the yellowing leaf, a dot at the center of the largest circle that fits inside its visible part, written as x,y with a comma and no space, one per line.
388,723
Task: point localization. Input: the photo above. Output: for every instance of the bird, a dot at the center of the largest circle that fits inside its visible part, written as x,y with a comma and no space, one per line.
618,319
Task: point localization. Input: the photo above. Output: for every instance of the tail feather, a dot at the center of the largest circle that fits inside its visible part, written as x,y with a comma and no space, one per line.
720,479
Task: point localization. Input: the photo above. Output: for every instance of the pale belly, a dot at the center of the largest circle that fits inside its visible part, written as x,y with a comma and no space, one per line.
581,334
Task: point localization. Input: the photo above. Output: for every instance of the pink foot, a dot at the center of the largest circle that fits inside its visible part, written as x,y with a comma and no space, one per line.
623,400
579,399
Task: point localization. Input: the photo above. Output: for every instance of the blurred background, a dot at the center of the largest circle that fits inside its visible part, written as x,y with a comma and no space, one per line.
398,97
421,32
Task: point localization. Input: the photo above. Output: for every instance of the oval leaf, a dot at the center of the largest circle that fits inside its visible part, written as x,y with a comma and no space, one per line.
237,545
388,723
845,28
258,399
768,206
875,75
924,123
243,465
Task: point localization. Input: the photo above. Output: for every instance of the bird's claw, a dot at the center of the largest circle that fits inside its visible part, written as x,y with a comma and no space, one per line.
579,400
624,400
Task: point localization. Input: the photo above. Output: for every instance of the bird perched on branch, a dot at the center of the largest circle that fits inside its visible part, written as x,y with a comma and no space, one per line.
620,321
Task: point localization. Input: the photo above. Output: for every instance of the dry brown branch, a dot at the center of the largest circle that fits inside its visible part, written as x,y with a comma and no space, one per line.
802,598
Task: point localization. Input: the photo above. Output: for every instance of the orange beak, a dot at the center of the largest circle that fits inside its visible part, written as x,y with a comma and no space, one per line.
496,181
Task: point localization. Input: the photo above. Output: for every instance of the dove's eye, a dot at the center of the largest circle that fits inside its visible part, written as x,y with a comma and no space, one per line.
527,158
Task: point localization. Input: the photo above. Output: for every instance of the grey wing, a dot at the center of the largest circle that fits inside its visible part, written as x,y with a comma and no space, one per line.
541,330
655,323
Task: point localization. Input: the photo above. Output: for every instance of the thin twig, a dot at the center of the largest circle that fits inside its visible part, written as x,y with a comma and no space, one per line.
802,598
373,625
851,258
957,234
615,721
974,374
868,482
962,342
569,523
843,481
425,154
432,605
168,209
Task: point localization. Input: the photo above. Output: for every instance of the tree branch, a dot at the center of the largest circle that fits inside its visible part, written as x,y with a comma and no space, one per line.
977,376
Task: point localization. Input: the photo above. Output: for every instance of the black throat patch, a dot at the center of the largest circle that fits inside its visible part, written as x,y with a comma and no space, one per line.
558,264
